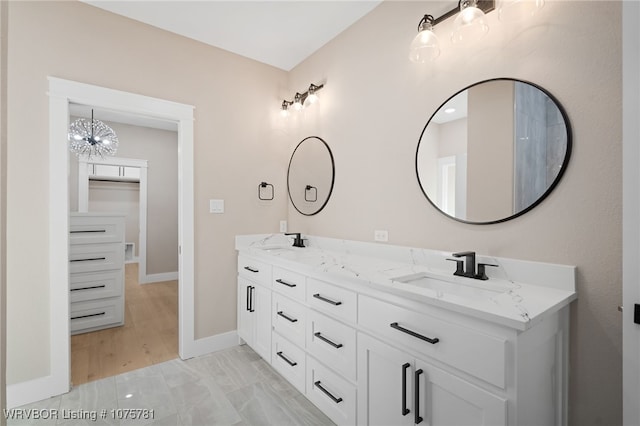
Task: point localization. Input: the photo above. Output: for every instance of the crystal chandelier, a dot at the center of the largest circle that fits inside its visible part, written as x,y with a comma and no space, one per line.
92,138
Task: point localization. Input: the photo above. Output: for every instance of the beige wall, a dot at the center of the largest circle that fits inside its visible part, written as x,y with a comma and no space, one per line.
375,104
3,203
237,146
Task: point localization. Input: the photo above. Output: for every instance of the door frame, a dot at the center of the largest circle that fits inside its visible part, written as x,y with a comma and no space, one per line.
631,210
61,93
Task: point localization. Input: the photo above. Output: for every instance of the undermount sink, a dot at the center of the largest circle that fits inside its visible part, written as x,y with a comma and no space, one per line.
275,249
452,285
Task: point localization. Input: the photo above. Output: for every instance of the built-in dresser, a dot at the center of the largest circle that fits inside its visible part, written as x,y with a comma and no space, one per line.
96,271
367,346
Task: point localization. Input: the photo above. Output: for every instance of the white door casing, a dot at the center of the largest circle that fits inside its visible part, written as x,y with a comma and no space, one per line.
631,210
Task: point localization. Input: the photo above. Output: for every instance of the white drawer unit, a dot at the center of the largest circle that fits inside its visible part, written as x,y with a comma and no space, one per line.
335,396
333,343
289,319
96,271
289,360
289,283
255,270
335,301
480,354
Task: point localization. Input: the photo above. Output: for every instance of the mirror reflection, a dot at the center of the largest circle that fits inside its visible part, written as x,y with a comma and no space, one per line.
310,176
493,151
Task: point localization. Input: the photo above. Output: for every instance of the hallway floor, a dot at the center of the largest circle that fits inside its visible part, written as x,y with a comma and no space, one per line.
149,335
230,387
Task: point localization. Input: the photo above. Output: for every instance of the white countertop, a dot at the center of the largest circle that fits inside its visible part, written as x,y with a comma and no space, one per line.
518,294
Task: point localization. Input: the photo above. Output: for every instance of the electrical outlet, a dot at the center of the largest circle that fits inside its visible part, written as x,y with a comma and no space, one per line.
380,235
283,226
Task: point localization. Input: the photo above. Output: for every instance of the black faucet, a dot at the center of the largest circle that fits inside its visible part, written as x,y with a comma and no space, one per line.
469,270
297,241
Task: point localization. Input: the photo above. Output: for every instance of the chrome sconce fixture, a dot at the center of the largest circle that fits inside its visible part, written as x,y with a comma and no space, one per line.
469,24
301,100
91,138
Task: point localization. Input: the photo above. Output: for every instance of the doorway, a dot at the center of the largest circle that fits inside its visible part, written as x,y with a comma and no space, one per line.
61,94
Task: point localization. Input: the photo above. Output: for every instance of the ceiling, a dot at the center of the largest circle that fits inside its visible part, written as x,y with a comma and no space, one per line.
280,33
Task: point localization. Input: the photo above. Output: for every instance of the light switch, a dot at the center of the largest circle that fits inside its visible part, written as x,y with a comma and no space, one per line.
216,206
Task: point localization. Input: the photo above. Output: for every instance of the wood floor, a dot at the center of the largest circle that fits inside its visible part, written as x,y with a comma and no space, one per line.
149,336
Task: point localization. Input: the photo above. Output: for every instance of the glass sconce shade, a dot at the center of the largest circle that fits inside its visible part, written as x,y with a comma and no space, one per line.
425,46
297,102
92,138
517,10
470,24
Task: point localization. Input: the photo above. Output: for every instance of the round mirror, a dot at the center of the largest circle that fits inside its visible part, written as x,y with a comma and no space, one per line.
310,176
493,151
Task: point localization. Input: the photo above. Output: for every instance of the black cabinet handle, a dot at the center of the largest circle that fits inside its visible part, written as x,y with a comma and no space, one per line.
324,299
287,317
88,260
249,298
324,339
88,231
250,269
405,410
326,392
88,316
251,288
287,360
433,341
283,282
88,288
416,385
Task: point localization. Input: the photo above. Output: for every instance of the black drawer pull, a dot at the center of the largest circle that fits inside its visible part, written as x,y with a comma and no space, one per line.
287,360
88,288
287,318
324,339
416,385
86,232
433,341
326,392
405,410
250,269
90,315
88,260
324,299
283,282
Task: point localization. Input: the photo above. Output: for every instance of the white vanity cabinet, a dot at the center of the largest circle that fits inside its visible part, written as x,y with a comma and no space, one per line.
368,352
96,271
254,305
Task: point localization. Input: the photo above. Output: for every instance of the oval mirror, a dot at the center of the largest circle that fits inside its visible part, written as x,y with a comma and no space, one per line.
493,151
310,176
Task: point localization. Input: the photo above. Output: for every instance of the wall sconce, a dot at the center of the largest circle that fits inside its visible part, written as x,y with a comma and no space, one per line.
301,100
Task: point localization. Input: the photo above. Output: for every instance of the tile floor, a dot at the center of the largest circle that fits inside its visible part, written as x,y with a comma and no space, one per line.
230,387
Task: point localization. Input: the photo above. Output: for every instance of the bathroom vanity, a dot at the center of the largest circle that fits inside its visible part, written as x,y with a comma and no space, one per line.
380,334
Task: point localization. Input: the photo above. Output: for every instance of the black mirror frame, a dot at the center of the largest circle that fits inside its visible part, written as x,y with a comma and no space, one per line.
551,187
333,175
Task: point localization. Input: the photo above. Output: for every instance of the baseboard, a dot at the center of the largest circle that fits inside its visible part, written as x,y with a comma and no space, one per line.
32,391
134,260
156,278
211,344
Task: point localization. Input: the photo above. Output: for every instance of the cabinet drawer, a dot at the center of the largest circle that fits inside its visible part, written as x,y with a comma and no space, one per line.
331,393
473,351
333,343
289,360
289,283
95,229
95,285
289,319
255,270
96,257
332,300
92,315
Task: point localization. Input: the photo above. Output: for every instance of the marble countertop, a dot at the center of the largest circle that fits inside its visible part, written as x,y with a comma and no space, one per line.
518,294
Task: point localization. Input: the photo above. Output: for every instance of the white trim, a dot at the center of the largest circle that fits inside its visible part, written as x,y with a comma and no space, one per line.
630,210
215,343
164,276
61,93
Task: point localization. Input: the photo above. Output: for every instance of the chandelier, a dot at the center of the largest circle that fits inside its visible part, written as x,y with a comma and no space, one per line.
92,138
